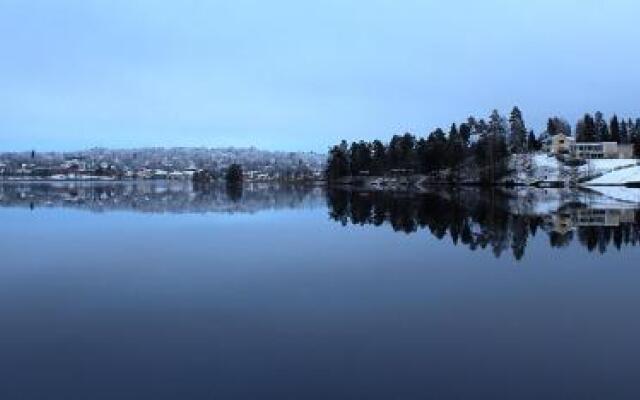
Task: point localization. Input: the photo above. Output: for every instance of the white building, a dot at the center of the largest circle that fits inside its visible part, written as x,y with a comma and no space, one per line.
563,145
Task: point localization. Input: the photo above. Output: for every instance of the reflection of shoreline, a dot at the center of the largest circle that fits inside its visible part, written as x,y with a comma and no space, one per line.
158,196
496,219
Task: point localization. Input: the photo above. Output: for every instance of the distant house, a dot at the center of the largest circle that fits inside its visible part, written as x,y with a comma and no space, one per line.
160,174
144,173
564,145
609,150
176,175
558,144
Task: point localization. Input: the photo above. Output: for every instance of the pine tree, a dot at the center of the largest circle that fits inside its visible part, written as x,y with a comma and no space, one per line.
234,174
436,150
408,148
614,130
586,129
455,148
495,148
338,163
551,127
360,156
580,130
532,142
422,156
602,130
624,132
636,138
518,131
378,162
465,133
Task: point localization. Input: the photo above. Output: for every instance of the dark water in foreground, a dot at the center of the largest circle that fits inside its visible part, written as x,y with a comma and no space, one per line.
156,290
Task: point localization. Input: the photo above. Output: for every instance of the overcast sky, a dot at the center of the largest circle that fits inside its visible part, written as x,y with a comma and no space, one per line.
300,75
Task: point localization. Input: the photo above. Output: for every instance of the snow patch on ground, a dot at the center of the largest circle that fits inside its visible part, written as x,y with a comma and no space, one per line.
544,161
541,167
595,167
617,177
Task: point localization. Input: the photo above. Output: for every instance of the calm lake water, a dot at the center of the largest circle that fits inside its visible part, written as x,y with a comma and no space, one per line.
160,290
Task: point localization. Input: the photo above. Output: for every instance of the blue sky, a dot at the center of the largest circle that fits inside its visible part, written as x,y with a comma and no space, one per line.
297,75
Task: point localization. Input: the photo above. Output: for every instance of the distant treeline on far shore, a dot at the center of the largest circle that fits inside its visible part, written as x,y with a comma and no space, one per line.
478,146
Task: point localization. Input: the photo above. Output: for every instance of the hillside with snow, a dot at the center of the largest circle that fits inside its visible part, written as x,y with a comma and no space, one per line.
541,168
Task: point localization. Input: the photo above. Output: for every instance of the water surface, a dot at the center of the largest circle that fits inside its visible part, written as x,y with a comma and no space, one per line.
161,290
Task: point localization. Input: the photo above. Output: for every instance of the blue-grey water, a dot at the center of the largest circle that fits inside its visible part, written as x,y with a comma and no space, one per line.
161,290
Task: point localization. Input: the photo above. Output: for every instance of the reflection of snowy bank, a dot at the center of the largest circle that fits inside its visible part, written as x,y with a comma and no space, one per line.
539,201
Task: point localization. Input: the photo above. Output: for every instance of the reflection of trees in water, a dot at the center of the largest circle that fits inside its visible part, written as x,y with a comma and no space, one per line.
234,191
472,218
158,196
600,238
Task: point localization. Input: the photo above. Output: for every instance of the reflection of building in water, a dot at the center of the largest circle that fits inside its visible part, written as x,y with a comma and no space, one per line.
159,196
565,221
604,217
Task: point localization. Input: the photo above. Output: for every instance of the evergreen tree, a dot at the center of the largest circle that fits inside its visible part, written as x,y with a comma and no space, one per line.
360,156
602,130
636,138
624,132
482,126
394,152
580,130
614,130
492,151
556,125
586,129
407,151
455,149
234,174
338,165
465,134
378,163
551,127
422,156
532,142
518,131
436,149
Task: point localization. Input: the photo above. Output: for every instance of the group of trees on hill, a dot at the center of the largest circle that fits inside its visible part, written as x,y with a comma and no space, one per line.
483,146
597,129
475,143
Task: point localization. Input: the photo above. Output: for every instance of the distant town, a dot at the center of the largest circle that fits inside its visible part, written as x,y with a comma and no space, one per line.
161,163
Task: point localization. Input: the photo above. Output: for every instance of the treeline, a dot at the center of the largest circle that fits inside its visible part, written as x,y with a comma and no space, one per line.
596,129
476,147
